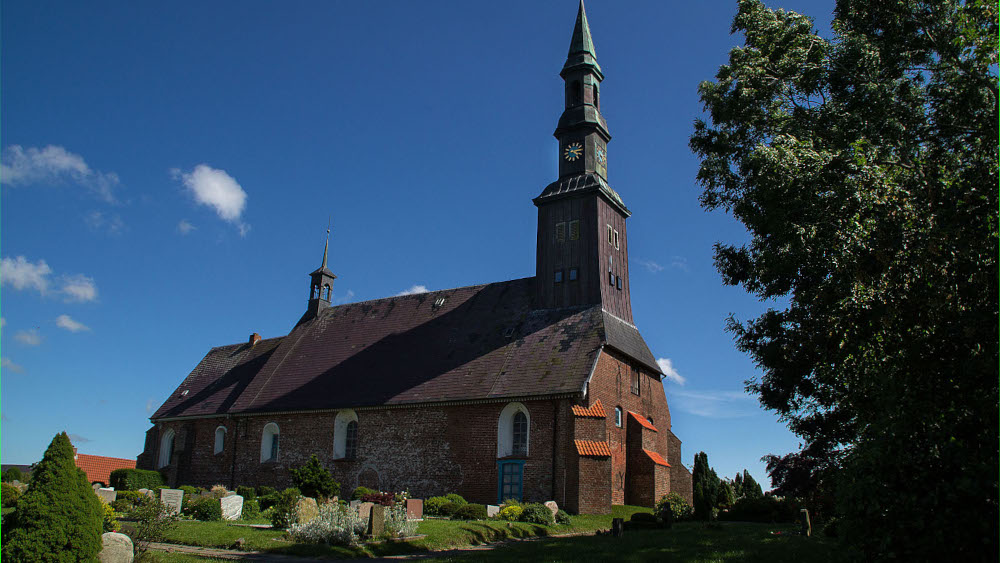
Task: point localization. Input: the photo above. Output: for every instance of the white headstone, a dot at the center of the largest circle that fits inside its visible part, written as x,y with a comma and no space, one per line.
551,505
107,495
492,510
146,492
232,507
173,499
116,548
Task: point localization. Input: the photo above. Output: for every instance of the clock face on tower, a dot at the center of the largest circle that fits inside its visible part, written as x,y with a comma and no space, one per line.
602,157
573,152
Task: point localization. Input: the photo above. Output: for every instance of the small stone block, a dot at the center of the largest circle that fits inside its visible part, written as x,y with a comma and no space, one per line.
492,510
551,505
107,495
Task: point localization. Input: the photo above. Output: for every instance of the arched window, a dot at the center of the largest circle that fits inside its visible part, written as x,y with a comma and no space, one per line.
326,292
597,96
269,443
351,447
618,417
513,431
220,439
345,435
166,448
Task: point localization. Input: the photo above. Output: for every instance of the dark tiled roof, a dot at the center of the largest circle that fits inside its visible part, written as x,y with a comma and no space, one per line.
595,410
581,183
625,338
589,448
471,343
98,467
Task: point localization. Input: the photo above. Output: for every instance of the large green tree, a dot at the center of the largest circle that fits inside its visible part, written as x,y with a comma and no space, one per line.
864,167
705,483
59,518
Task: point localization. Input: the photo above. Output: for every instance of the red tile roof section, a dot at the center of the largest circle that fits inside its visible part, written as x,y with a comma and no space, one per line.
657,458
596,449
643,421
595,410
98,468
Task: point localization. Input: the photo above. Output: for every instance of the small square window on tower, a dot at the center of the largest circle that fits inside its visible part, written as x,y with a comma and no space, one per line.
618,282
611,239
561,232
558,277
611,279
573,273
616,240
574,230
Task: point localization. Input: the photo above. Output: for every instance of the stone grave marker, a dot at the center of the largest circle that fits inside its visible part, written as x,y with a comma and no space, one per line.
173,499
354,504
115,548
107,494
305,510
146,492
365,510
492,510
804,521
414,509
232,507
618,527
551,505
376,524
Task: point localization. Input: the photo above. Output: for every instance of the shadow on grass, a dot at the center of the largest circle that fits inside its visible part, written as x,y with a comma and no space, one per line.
485,533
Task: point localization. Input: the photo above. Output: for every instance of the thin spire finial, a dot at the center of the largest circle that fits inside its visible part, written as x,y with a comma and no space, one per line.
326,248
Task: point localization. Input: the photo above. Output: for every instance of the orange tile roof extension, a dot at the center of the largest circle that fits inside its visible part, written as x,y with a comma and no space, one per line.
643,421
596,449
595,410
657,458
98,468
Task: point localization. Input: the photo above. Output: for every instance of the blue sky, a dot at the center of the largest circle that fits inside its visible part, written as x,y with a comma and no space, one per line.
169,170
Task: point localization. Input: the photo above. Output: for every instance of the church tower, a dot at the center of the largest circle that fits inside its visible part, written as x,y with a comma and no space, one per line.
321,285
582,255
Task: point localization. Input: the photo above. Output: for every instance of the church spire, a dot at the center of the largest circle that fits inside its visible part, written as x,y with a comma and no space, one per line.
321,283
581,46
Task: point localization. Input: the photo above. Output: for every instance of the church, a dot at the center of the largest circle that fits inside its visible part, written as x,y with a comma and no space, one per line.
537,389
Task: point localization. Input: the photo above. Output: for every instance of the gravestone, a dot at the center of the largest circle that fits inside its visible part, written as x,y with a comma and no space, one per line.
232,507
414,509
804,521
354,504
551,505
173,499
305,510
107,495
492,510
115,548
376,524
618,527
147,492
365,510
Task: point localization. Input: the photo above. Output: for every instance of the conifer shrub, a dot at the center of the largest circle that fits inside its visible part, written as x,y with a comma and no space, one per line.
10,495
59,518
265,491
470,512
207,509
248,493
360,492
135,479
282,509
537,513
314,479
251,510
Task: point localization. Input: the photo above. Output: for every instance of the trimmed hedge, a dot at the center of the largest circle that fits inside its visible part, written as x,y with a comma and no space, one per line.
536,513
135,479
432,506
456,498
207,509
471,512
448,509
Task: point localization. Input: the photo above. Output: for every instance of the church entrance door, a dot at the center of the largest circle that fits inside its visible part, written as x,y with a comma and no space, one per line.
511,483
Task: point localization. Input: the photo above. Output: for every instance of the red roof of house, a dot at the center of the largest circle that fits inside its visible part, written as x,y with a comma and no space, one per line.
98,468
595,410
643,421
657,458
598,449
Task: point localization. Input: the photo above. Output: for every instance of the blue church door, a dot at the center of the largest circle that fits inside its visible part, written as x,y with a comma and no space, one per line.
511,480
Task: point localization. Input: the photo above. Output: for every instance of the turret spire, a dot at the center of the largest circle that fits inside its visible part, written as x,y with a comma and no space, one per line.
326,248
321,283
581,46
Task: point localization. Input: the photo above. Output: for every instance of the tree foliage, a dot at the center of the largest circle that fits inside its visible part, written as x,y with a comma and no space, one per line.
706,487
865,169
59,518
314,479
12,474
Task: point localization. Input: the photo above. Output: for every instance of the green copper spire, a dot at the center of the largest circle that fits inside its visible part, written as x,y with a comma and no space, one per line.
581,46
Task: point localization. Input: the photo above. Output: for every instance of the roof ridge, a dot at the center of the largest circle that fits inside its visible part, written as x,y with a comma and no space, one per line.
428,292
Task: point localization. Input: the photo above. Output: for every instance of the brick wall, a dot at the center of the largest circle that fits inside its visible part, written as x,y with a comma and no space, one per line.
427,450
680,478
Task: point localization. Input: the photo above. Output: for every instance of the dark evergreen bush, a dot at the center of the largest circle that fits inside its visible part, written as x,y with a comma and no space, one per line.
562,517
432,506
207,509
283,507
470,512
314,480
360,492
456,498
265,490
448,509
251,510
535,513
135,479
10,495
59,518
246,492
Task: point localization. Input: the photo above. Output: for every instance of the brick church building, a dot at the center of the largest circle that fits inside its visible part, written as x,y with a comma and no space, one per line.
539,388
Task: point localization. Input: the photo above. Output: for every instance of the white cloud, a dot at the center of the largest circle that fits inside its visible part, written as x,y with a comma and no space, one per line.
79,288
218,190
184,227
22,274
5,363
713,404
679,262
651,266
149,406
345,298
100,221
29,337
413,290
67,322
54,164
78,439
668,369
